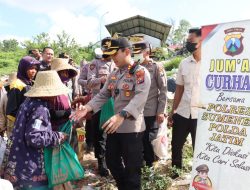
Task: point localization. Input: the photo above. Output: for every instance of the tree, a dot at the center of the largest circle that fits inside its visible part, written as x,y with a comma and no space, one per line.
65,43
1,46
180,33
170,39
10,45
42,39
39,42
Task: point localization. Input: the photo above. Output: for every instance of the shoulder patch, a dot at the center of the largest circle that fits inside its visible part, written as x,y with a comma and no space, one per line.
140,74
161,69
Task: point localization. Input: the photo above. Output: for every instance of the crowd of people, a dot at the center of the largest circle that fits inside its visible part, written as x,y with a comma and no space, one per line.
47,92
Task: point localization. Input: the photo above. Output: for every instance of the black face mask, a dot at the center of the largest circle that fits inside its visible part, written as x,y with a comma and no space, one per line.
191,47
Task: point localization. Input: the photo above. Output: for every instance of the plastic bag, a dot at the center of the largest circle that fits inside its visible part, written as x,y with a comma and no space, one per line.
5,185
2,149
160,143
80,139
61,163
107,111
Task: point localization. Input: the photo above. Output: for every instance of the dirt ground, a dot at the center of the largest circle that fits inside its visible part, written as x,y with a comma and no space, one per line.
92,181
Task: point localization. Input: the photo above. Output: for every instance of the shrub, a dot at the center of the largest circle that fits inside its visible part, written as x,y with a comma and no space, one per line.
153,179
172,64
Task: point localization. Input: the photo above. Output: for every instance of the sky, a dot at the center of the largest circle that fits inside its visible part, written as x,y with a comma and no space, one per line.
85,20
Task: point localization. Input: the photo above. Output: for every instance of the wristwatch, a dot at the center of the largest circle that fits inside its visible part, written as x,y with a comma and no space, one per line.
124,114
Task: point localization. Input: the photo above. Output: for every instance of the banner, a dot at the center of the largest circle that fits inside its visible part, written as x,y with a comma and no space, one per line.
222,148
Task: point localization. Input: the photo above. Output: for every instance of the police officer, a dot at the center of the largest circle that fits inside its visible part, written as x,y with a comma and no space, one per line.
98,71
82,80
129,86
155,108
202,171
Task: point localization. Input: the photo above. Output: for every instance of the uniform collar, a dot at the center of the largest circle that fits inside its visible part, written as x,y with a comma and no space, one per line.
150,62
126,67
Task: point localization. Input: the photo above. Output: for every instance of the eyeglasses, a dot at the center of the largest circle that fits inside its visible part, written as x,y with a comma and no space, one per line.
49,54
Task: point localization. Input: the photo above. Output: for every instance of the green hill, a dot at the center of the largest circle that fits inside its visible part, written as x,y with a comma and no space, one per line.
9,61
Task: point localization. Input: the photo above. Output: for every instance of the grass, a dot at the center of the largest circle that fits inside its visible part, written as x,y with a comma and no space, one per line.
9,61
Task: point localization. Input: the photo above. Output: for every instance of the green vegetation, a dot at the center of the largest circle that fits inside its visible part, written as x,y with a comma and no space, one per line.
172,64
154,179
9,61
187,157
11,51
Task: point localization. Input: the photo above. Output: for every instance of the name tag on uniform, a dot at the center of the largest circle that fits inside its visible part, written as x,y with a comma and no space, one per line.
37,124
128,80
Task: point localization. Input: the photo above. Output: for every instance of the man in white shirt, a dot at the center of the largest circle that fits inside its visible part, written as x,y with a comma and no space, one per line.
185,106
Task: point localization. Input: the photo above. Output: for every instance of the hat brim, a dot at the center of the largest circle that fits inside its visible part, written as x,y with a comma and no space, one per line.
137,51
72,70
110,52
47,92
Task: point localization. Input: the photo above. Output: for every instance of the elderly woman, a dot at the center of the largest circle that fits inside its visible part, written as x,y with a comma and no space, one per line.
33,132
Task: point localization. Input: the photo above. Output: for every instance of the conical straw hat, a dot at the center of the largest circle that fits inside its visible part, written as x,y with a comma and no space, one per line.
47,84
60,64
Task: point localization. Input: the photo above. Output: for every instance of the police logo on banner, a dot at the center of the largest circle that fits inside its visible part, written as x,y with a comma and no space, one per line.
233,41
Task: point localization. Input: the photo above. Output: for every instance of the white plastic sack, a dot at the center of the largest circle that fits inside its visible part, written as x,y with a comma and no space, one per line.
160,144
5,185
2,149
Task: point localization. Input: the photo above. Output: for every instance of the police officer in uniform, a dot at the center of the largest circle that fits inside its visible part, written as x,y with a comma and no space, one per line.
129,86
202,171
98,71
155,108
82,80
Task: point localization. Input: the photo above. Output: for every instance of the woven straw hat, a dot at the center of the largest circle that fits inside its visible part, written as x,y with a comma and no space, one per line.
47,84
60,64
